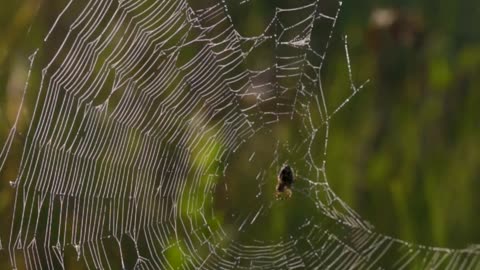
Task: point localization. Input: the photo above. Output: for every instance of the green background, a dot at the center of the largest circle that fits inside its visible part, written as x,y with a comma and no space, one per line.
404,153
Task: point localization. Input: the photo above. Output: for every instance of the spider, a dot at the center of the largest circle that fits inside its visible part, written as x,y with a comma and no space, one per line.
285,180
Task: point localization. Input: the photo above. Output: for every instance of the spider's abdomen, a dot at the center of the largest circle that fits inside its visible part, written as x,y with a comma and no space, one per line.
286,176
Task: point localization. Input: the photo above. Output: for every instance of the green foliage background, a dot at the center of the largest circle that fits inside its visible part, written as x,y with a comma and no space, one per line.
404,153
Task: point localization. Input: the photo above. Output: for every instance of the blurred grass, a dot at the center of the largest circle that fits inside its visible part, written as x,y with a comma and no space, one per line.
404,153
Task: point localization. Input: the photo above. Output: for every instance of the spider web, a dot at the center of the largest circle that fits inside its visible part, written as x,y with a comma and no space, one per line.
156,135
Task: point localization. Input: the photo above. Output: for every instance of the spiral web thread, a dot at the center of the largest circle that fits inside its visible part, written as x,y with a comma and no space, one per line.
130,131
